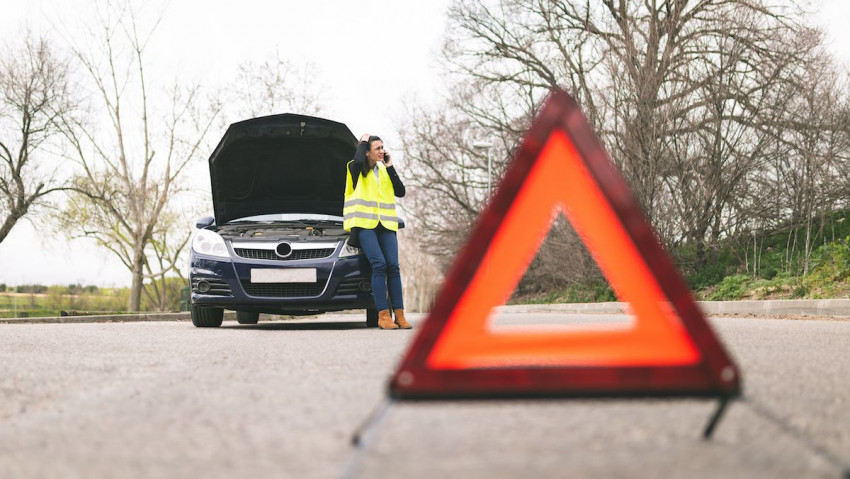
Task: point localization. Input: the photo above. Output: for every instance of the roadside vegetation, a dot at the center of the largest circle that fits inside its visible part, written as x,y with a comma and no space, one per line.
766,266
36,300
770,267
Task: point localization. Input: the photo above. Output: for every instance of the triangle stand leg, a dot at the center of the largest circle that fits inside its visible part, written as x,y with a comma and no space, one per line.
364,436
372,423
715,418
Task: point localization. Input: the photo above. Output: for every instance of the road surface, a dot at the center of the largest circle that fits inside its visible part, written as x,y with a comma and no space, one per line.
282,399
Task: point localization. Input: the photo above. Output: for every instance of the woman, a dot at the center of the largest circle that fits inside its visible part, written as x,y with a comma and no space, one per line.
371,186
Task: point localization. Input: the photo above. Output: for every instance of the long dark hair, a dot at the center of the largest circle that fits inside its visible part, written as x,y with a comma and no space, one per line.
366,168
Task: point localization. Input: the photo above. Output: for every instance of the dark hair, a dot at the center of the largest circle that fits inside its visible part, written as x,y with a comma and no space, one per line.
372,139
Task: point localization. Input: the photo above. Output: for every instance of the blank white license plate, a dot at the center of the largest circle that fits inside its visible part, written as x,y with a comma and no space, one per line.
293,275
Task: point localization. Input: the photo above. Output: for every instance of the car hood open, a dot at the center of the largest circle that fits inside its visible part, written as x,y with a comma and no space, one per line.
280,164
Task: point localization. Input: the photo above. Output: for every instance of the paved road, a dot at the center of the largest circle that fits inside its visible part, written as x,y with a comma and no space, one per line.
281,399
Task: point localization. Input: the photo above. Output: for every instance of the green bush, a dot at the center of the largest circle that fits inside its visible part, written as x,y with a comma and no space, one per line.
801,291
767,273
603,293
828,271
731,288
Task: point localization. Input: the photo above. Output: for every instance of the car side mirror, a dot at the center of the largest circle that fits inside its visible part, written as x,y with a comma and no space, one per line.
204,221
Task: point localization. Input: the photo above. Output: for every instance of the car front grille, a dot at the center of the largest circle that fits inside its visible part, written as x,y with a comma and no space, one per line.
217,287
297,254
283,290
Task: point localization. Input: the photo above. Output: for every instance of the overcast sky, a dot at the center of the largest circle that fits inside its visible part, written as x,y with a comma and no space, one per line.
209,39
348,41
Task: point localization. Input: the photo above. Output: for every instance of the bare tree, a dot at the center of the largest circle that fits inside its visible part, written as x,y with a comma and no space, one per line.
276,85
168,243
34,92
635,67
717,142
421,276
131,169
690,97
447,176
808,172
449,183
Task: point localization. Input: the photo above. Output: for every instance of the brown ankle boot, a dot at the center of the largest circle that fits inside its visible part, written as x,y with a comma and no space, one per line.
385,321
399,319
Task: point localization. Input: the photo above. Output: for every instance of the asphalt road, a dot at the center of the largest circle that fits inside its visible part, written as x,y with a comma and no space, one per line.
282,399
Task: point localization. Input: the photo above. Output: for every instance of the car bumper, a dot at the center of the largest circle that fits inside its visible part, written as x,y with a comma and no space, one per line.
221,283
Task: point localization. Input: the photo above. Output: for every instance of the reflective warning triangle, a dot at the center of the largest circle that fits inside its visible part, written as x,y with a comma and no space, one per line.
669,350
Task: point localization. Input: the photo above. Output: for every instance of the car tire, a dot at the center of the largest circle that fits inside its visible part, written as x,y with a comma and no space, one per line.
207,317
371,318
247,317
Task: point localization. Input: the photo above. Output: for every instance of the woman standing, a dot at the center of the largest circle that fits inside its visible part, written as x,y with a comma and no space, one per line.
371,186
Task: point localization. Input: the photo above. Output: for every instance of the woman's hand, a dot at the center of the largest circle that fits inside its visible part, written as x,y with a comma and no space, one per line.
365,137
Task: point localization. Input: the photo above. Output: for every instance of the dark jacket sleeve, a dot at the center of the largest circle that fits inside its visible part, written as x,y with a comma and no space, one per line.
357,166
398,186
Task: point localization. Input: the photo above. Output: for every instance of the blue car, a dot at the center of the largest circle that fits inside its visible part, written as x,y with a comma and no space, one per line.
276,243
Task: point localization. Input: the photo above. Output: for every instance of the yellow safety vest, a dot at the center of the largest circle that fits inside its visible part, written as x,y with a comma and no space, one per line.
371,202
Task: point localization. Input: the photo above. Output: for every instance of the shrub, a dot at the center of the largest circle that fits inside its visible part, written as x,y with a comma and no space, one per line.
801,291
732,287
768,273
707,276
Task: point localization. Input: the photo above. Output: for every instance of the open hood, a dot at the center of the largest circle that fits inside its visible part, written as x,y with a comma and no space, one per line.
280,164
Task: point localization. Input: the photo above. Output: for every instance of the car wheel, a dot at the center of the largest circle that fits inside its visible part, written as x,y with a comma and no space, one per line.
247,317
207,317
371,318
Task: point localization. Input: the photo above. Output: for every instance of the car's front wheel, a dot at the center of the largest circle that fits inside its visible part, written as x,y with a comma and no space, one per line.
207,317
247,317
371,318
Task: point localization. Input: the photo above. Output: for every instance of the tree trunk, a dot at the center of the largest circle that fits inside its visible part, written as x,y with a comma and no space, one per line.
6,226
138,279
807,252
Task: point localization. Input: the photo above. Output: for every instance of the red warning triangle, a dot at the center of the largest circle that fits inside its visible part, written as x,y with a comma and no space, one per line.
670,350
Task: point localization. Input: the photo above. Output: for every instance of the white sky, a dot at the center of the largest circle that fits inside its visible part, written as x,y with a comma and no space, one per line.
371,54
349,41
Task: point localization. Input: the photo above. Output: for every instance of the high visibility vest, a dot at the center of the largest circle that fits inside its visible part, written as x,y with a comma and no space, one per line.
371,202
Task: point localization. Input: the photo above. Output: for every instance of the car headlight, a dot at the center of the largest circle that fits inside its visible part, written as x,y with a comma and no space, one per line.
348,250
209,243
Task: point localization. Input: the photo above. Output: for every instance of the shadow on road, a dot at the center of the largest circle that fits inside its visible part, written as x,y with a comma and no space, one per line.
299,326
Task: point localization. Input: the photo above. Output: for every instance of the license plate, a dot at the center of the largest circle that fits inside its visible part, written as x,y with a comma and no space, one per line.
291,275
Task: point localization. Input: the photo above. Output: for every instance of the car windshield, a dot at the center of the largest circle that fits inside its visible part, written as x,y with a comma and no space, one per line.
289,218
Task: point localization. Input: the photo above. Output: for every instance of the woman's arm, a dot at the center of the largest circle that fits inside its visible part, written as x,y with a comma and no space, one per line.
357,166
398,186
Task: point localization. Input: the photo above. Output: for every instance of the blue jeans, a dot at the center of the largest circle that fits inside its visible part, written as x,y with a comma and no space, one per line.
381,247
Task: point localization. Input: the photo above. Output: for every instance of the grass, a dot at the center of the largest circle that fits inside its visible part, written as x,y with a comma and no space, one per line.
54,301
593,292
828,277
39,300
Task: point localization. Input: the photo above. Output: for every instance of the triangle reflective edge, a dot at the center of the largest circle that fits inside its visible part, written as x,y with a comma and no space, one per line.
426,374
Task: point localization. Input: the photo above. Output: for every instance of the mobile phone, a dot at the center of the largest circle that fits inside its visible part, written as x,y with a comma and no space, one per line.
386,157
